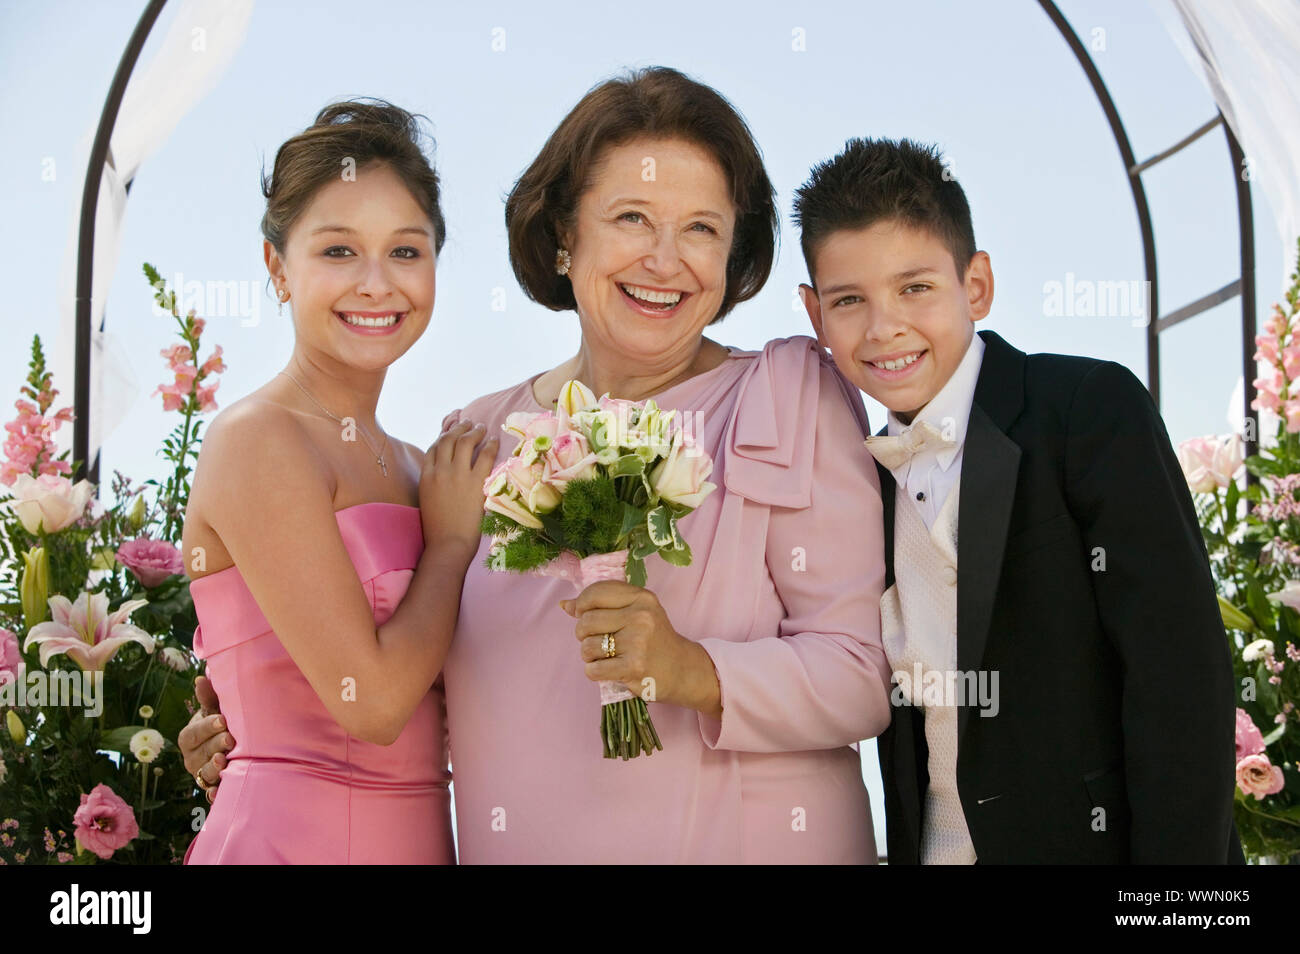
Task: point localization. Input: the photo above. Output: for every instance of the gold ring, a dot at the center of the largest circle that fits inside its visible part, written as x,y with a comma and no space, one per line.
607,644
202,782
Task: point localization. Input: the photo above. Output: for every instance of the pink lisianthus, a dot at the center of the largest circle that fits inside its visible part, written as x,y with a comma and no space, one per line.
11,659
1249,739
104,822
570,458
86,631
1257,776
152,561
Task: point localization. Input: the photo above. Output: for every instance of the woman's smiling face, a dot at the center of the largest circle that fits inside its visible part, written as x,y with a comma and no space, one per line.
649,249
360,267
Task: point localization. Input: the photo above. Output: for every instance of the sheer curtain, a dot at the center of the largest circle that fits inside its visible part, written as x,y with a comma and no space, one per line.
203,37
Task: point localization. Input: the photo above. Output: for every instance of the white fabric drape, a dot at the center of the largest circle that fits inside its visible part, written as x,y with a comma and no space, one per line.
1248,54
203,38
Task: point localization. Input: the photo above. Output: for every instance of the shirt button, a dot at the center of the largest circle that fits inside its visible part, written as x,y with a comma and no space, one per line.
950,575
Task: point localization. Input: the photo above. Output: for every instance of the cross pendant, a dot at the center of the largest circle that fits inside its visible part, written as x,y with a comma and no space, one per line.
382,465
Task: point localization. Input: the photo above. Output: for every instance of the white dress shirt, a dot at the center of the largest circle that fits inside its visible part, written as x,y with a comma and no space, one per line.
931,474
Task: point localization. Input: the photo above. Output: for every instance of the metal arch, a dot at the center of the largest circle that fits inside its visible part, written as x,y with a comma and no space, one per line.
86,242
1244,286
99,154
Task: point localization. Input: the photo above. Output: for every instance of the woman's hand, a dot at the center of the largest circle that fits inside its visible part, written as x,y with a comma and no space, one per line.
204,741
652,659
451,487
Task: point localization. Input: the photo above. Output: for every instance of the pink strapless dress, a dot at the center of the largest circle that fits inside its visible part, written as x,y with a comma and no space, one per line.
298,789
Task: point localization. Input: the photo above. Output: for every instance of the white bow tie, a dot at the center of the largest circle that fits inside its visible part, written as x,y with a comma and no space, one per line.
894,452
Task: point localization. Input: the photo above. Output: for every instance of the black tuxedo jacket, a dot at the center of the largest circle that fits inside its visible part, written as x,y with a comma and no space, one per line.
1083,581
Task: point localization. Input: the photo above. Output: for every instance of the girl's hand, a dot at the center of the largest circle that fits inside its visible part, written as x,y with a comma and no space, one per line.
652,659
451,486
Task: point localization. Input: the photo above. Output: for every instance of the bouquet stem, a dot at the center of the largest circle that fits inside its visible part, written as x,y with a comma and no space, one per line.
627,729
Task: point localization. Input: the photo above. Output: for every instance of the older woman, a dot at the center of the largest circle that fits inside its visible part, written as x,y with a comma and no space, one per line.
649,213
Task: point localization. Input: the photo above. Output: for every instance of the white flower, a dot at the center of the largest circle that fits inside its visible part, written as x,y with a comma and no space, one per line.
4,771
174,659
146,712
49,501
1289,595
146,744
1260,647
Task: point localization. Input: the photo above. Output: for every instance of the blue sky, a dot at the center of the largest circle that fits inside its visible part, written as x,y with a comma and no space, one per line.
992,83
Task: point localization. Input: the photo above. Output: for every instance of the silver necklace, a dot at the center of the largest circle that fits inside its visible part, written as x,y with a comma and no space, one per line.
379,456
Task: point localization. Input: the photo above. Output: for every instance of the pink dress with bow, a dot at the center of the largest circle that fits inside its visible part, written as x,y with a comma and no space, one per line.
783,594
298,789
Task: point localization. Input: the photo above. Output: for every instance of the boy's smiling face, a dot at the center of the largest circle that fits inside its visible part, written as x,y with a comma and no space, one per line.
892,309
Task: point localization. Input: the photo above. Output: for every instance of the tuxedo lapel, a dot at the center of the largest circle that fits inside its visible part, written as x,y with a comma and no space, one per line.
990,464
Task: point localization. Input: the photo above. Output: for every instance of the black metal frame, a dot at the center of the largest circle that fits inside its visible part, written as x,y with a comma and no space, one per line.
1245,286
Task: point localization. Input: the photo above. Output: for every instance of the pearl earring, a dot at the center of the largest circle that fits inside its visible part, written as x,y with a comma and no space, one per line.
563,261
282,296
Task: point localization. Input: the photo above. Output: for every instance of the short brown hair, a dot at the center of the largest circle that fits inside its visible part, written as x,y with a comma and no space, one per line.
653,102
875,180
364,130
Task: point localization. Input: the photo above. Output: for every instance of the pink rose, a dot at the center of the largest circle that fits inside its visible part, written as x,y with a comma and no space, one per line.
679,477
152,561
570,458
1209,463
1249,739
104,822
11,658
1257,776
527,481
49,503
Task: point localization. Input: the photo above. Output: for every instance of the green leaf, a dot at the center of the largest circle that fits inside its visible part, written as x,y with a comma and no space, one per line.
676,557
632,518
659,524
636,571
627,466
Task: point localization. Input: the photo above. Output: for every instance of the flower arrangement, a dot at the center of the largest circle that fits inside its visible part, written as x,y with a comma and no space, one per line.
96,628
591,491
1252,532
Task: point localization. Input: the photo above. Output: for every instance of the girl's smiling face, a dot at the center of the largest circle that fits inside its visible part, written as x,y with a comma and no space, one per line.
360,267
649,249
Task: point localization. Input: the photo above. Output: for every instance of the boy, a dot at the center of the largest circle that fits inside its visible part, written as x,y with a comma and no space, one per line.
1063,686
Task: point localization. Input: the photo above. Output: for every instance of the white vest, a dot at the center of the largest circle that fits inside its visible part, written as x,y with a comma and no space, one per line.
919,626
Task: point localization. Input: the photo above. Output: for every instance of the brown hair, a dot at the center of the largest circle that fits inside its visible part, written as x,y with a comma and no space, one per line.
364,130
875,180
652,102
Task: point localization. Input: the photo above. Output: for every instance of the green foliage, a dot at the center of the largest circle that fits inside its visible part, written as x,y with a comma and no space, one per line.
591,516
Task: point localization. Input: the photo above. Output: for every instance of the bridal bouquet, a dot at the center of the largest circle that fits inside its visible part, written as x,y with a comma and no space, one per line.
96,626
591,490
1252,533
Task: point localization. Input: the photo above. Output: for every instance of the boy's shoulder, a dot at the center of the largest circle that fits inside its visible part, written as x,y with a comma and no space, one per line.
1078,381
